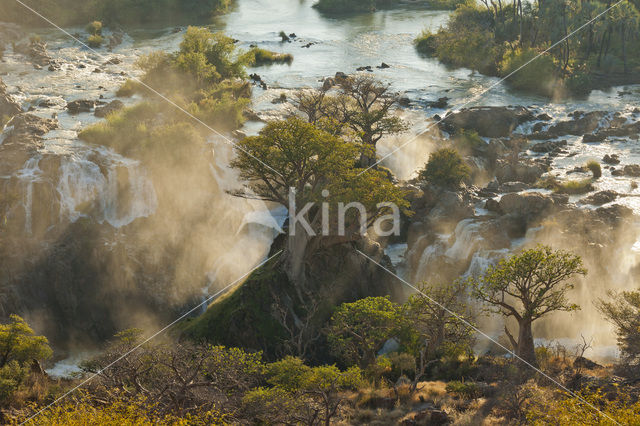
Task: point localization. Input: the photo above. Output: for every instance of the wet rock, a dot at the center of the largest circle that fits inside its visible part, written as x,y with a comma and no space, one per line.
492,205
308,45
365,68
441,103
509,187
111,107
631,170
340,76
528,205
80,105
450,207
113,61
611,159
617,129
115,39
614,214
544,117
550,146
404,101
383,66
581,124
22,140
601,197
251,115
328,83
492,122
8,106
524,171
292,35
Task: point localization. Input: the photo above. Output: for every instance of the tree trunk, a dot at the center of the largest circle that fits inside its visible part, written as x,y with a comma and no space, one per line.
295,254
526,348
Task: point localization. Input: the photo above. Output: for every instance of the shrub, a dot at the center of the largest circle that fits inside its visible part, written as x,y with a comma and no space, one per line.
95,40
425,43
595,168
445,168
342,6
94,28
128,89
538,76
574,187
464,390
258,57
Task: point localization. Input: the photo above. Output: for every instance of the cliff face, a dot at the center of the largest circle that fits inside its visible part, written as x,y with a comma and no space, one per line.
271,314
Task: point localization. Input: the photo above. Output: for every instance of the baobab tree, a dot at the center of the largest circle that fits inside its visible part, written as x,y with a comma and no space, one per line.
527,287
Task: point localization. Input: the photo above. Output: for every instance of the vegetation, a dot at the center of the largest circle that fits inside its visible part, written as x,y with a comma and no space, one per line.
571,187
293,155
361,113
445,168
257,57
623,311
95,41
115,12
527,287
499,38
595,168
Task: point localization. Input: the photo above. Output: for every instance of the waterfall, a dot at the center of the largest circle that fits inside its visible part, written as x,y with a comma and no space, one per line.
29,174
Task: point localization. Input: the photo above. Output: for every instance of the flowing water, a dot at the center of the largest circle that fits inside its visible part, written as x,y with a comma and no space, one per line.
322,46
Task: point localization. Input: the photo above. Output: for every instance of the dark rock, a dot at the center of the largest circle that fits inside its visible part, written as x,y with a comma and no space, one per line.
292,35
328,83
582,362
601,197
549,146
492,205
611,159
529,205
36,51
614,214
113,61
111,107
441,103
509,187
544,117
383,66
81,105
492,122
365,68
632,170
340,76
404,101
524,171
581,124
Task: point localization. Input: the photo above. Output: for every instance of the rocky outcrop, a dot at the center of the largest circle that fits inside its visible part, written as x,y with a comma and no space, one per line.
491,122
113,106
80,105
601,197
523,171
36,51
528,205
8,106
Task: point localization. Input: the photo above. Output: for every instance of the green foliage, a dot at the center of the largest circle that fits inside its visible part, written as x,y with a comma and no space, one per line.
19,343
95,41
257,57
573,187
464,390
12,376
358,330
530,284
595,168
349,6
528,72
426,43
128,89
445,168
94,28
623,311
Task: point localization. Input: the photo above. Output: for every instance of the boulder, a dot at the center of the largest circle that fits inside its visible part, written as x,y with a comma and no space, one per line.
549,146
582,362
524,171
450,206
441,103
492,122
81,105
8,106
36,51
611,159
528,205
601,197
581,124
111,107
631,170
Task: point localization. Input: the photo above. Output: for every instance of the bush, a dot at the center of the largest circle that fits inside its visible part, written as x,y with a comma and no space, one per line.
95,41
574,187
94,28
445,168
128,89
426,43
464,390
342,6
538,76
258,57
595,168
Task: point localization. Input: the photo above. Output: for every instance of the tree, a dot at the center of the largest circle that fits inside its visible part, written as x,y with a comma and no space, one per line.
18,342
358,330
297,165
445,168
440,322
623,311
526,287
317,388
365,107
